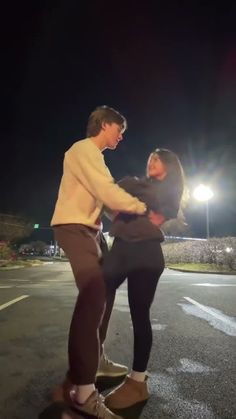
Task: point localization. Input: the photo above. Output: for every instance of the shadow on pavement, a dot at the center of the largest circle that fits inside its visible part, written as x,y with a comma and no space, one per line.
105,384
133,412
60,410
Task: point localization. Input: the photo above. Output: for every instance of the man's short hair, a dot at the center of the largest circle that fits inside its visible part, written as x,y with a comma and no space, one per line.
104,114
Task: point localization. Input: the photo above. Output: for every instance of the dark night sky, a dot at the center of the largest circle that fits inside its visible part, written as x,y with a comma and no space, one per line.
169,67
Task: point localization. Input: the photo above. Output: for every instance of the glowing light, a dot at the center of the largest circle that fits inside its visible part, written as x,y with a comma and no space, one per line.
202,193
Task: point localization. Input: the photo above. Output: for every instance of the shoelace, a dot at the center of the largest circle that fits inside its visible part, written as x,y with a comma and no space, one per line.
107,360
101,409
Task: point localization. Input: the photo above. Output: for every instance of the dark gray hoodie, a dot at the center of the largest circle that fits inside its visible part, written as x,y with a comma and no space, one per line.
159,196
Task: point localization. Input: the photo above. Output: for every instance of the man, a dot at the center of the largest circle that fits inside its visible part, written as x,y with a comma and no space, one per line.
86,187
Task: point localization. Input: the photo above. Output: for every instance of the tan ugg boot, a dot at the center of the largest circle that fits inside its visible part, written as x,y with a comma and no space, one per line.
129,393
62,391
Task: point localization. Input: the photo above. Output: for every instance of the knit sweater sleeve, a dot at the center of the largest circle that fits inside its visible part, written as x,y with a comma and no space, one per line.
87,164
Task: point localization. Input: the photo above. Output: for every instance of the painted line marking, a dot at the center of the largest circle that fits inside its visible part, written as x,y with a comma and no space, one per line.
212,313
22,297
175,273
208,284
18,280
6,286
164,281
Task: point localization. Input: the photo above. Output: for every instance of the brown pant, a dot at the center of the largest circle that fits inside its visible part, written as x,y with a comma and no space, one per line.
92,309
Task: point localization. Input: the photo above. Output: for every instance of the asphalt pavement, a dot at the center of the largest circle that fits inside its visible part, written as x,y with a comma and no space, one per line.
193,362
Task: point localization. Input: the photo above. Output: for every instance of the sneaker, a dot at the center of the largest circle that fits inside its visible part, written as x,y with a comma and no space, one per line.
129,393
108,368
93,407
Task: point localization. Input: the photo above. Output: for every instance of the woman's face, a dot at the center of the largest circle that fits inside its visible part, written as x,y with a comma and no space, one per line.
155,167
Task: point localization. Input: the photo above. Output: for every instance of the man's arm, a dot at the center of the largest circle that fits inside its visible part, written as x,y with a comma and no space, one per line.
98,180
125,183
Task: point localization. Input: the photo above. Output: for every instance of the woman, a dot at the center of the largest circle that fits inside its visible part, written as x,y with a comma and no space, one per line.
136,254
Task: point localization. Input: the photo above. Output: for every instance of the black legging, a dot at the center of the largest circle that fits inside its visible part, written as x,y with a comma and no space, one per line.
142,263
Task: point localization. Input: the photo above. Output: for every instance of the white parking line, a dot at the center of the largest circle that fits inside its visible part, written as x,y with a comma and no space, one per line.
172,273
9,303
208,284
207,310
6,286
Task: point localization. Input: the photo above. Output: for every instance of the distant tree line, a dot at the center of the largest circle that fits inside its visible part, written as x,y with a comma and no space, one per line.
14,228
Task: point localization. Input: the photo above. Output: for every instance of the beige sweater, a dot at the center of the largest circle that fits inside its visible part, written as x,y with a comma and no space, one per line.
86,186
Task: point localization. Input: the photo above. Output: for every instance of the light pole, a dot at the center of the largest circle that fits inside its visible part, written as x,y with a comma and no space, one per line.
204,193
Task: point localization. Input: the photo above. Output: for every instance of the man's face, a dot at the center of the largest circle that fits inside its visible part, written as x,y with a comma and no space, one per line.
113,134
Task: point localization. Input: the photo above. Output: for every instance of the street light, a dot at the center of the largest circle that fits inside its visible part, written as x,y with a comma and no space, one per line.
204,193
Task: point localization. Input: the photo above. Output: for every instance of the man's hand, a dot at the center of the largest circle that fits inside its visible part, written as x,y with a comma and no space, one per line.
141,209
156,219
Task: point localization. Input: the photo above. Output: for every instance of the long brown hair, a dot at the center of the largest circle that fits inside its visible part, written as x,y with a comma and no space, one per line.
175,173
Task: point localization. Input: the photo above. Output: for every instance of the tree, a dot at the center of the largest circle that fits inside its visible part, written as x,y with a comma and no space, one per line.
14,228
5,252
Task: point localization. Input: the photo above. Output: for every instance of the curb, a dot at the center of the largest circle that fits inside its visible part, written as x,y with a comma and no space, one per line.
8,268
202,272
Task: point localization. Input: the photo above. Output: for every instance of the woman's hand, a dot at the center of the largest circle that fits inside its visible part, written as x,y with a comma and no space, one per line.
156,219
